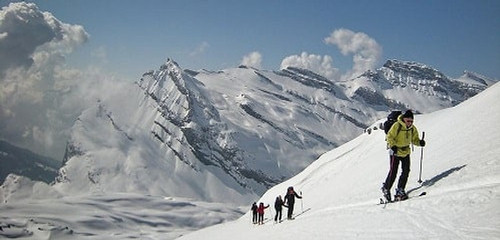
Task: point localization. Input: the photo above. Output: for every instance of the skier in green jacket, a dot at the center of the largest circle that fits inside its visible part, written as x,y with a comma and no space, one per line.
400,136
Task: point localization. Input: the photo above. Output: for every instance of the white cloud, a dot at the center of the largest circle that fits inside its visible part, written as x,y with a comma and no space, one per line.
24,29
316,63
40,96
366,51
200,49
253,59
366,55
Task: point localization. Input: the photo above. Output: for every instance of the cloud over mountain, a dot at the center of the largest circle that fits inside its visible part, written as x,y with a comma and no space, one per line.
366,51
40,96
27,33
253,59
316,63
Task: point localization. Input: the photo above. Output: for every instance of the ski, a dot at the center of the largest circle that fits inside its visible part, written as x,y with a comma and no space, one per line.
383,201
298,214
266,220
295,215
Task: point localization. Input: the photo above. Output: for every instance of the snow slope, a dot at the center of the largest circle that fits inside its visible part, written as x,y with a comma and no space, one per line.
461,177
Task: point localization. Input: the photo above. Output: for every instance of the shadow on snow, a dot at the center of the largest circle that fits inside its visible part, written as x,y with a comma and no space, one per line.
432,181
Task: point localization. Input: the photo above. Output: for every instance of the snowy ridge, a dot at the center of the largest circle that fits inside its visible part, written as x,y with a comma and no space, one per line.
473,78
460,173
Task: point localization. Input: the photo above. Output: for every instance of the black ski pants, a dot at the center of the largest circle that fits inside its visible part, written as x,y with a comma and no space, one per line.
290,210
261,218
278,213
393,171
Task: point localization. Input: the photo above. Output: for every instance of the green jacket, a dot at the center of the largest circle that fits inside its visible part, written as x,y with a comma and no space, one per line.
401,137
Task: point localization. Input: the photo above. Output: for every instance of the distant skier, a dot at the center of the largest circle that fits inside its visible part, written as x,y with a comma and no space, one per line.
290,201
278,206
401,134
260,210
254,212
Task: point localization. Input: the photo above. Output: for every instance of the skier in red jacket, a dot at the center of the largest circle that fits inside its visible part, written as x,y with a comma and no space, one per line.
260,210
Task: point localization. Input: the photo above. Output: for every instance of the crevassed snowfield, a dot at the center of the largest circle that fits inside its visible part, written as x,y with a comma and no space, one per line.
341,189
461,173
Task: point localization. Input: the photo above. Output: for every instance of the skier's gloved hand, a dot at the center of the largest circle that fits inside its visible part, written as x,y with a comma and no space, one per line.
393,150
422,143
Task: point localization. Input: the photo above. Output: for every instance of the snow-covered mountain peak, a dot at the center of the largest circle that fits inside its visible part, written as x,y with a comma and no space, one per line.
413,69
167,88
404,84
473,78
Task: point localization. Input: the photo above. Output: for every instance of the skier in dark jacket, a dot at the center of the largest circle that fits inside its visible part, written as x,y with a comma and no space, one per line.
254,212
278,206
290,201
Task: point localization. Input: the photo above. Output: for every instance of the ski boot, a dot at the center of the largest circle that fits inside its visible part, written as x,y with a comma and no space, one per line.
387,193
400,195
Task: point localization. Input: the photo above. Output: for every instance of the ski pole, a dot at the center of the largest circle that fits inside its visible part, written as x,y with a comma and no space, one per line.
421,159
272,214
301,202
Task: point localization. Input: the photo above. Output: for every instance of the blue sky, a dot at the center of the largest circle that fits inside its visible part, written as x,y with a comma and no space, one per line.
58,57
133,36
